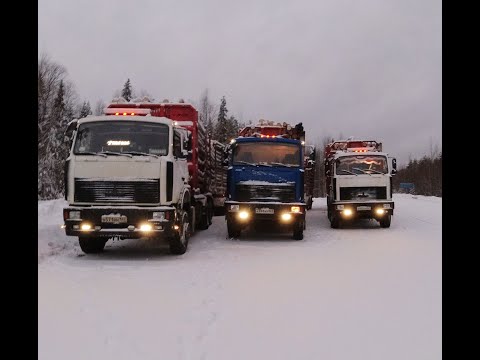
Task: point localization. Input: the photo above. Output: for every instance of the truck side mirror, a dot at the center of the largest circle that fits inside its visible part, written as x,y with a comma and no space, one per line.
71,126
188,142
225,158
394,166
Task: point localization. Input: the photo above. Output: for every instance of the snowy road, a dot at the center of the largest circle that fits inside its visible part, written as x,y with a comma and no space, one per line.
360,292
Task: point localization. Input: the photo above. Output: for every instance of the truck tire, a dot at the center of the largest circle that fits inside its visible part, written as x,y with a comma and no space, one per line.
204,218
92,245
334,221
210,212
233,230
309,204
179,241
298,231
386,221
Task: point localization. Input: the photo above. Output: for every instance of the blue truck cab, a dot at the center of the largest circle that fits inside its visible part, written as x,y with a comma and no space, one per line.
265,183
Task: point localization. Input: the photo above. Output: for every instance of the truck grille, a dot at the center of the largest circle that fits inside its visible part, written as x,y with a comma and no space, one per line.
280,192
145,191
363,193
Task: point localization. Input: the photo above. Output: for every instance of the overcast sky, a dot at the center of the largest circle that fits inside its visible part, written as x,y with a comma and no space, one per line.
363,68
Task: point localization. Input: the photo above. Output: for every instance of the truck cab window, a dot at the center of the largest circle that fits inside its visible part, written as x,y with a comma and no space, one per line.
177,145
122,137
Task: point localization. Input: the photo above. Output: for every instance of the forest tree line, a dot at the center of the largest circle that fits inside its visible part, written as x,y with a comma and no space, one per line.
59,103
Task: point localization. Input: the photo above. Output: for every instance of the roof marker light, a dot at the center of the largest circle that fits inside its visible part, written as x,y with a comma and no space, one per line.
132,114
124,114
117,113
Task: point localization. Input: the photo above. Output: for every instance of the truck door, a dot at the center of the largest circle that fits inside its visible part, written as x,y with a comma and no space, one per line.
180,167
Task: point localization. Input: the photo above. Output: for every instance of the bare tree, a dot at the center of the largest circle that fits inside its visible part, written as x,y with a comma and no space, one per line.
319,189
57,100
208,112
143,94
99,106
49,76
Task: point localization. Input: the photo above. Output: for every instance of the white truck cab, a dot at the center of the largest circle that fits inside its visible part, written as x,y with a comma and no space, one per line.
359,182
127,177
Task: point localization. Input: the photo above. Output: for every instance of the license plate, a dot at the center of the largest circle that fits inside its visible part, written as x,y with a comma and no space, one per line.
264,211
114,219
364,208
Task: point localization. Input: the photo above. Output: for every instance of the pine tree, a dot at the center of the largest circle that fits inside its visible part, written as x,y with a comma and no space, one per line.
85,110
232,128
127,90
57,101
51,177
221,128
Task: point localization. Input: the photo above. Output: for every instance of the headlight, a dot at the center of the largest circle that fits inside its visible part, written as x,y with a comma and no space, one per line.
74,215
347,212
158,215
243,215
234,207
340,207
380,211
295,209
286,217
145,227
86,227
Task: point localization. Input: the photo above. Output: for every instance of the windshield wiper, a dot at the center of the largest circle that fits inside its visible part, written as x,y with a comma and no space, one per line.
244,162
114,153
281,164
349,172
363,171
90,153
264,164
376,171
139,153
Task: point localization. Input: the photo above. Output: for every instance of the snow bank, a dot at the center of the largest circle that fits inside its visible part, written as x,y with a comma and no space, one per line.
51,237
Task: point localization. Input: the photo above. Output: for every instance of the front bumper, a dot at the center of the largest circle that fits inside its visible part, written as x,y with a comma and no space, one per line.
363,210
264,211
129,227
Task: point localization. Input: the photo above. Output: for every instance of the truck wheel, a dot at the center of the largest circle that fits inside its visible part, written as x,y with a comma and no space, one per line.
204,219
309,204
298,231
210,213
233,230
179,241
92,245
386,221
334,221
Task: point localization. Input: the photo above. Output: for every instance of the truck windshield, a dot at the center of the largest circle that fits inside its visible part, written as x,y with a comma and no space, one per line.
361,164
267,153
121,137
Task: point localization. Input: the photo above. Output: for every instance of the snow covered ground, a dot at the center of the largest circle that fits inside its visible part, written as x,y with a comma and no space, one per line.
360,292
